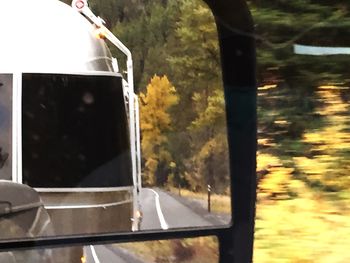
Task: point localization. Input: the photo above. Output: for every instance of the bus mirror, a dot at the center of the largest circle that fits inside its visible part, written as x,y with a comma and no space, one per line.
22,213
17,198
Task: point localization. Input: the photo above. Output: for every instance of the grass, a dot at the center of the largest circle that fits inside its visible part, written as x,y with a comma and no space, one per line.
194,250
219,203
309,228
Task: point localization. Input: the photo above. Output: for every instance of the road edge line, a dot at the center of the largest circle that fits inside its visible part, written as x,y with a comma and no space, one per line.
163,223
94,254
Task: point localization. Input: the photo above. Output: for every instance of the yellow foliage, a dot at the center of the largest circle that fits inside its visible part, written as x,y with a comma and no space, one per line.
276,182
265,160
155,121
312,226
330,166
308,228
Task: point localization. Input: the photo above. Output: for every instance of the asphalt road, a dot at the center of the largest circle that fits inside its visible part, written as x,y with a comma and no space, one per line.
160,211
108,253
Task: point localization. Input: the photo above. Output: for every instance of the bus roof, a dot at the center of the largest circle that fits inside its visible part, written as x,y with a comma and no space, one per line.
48,36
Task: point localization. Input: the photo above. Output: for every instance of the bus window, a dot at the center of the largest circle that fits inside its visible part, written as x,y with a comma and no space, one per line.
75,131
5,126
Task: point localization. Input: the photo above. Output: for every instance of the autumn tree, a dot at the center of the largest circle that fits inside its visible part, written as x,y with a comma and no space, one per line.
177,39
202,149
210,150
155,103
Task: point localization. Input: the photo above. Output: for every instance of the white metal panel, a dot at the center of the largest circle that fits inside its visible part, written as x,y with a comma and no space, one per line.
48,36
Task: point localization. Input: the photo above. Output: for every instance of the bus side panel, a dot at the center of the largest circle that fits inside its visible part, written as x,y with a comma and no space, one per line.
89,212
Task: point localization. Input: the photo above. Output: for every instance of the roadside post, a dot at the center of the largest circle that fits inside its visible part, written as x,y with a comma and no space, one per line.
209,193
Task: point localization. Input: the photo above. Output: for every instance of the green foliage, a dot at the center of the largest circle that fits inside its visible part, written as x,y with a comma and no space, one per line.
277,29
145,32
195,63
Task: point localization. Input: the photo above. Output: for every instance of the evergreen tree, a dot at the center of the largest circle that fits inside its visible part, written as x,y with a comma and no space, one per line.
196,67
146,34
280,24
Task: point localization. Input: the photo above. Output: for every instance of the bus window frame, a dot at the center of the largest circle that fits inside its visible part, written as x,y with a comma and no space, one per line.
237,47
12,126
21,101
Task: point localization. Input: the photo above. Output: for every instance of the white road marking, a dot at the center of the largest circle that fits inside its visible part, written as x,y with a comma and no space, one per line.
163,223
94,255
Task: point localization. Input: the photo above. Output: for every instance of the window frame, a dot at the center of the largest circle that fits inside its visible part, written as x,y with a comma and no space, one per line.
237,48
12,128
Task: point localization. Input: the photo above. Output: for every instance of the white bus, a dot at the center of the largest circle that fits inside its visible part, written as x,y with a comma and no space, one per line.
68,119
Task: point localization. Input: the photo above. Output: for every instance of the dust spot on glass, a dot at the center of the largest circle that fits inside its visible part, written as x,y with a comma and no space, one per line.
36,137
81,157
88,98
81,109
29,115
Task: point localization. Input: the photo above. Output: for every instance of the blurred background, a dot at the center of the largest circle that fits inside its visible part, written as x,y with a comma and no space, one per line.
303,168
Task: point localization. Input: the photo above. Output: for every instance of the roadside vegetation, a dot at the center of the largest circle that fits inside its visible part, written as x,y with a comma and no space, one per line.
303,170
195,250
220,204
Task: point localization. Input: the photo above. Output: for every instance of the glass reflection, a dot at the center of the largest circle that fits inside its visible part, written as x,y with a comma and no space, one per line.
75,132
6,126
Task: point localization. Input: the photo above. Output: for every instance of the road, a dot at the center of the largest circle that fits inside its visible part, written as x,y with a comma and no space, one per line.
110,254
161,210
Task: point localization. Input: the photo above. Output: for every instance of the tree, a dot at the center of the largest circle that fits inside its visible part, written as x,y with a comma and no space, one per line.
292,110
277,31
210,157
177,39
202,150
145,32
160,96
